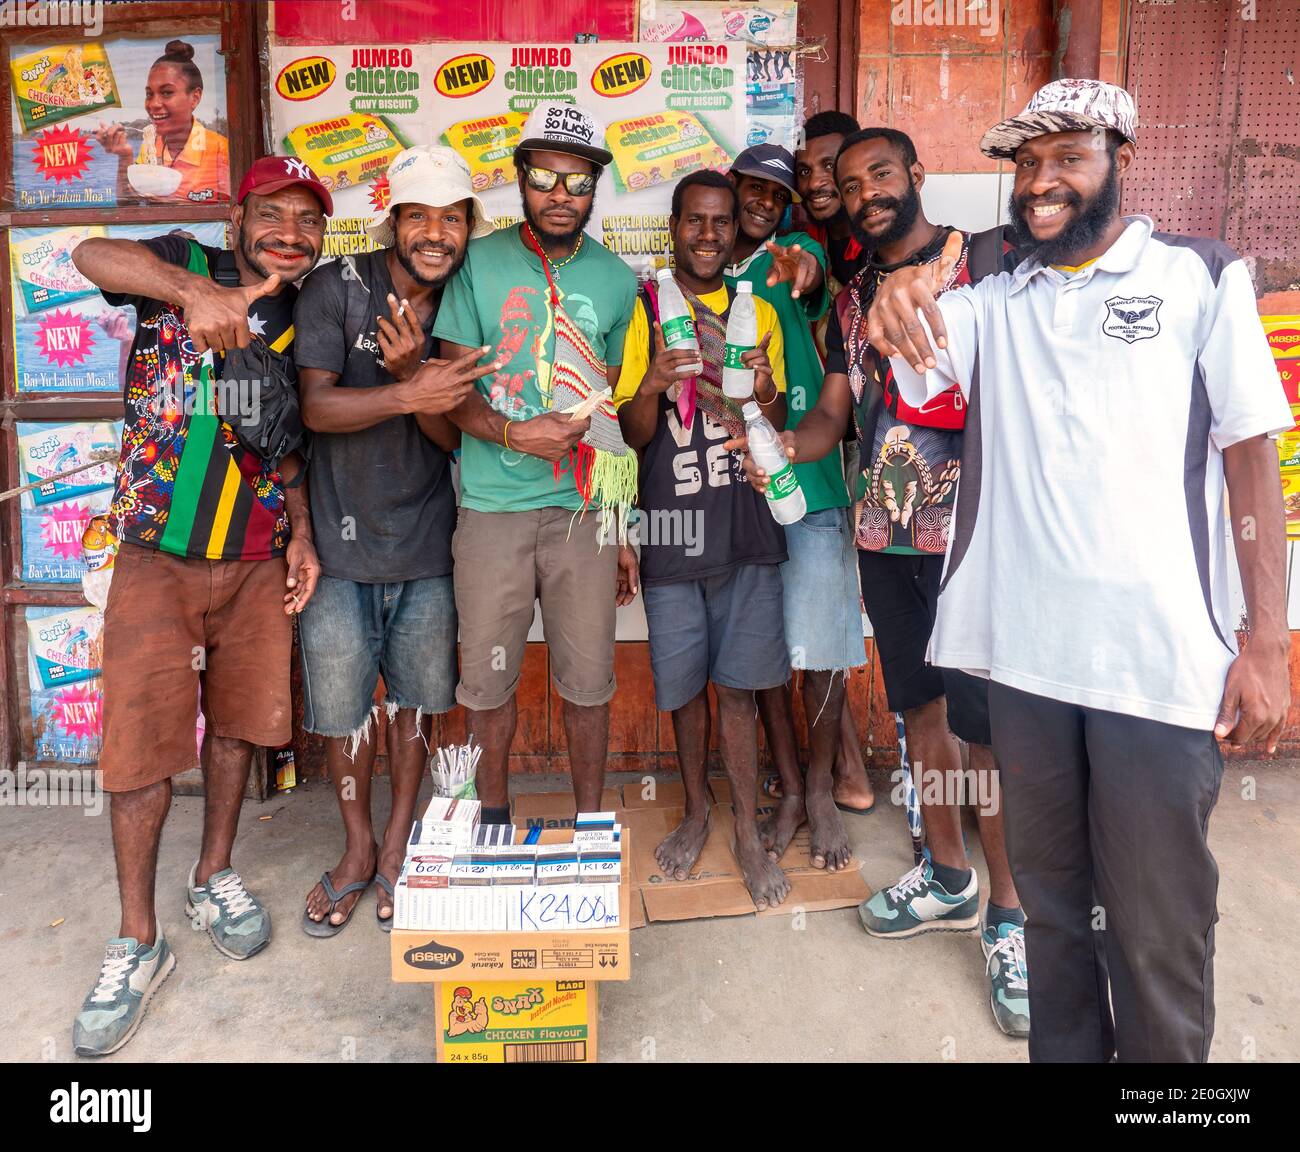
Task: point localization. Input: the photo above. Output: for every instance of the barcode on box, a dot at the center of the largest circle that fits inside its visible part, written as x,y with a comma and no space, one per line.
566,1052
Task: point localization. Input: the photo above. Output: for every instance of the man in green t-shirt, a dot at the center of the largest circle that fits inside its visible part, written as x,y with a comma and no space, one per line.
823,622
549,308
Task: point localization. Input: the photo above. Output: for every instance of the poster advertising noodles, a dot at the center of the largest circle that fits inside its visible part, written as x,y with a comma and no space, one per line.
65,336
64,659
98,124
348,111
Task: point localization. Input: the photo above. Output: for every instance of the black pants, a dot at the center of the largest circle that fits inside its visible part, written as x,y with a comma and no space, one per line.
1106,819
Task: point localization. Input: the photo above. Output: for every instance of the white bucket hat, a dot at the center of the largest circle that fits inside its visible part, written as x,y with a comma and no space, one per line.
429,175
1064,106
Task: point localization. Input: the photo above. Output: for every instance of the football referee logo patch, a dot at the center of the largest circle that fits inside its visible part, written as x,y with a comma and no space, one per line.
1131,318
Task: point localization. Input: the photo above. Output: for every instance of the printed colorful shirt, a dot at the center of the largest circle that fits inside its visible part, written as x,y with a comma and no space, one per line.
185,484
910,459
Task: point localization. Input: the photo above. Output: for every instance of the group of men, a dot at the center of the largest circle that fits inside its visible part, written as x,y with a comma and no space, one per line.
1072,364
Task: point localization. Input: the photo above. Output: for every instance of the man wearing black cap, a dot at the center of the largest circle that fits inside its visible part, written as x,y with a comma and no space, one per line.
212,534
823,625
538,488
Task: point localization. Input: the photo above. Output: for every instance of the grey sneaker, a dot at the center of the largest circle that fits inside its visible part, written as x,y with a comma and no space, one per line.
223,908
112,1012
1004,952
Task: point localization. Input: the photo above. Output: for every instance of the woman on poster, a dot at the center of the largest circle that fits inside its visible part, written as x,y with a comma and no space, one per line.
180,158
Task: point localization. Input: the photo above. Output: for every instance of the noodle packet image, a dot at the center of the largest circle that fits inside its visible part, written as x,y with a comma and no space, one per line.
43,266
46,450
67,647
345,150
59,82
487,144
661,147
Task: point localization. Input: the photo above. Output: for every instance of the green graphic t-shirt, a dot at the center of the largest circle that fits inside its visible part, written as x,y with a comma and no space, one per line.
822,480
500,297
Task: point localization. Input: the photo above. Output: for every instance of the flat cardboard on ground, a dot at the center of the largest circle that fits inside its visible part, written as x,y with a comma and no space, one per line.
528,1022
715,887
461,957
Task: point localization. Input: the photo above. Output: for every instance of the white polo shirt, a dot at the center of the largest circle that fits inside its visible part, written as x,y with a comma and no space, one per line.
1088,560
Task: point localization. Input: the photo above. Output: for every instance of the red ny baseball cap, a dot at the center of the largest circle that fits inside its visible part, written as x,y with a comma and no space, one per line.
271,173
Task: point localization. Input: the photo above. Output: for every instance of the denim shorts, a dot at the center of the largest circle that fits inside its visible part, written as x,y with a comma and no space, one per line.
823,614
352,633
725,628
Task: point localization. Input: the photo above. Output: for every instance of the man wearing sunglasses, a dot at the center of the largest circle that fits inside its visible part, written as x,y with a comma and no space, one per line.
551,304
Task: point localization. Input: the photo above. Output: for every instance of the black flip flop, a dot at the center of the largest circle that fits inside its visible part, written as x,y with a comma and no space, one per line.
323,927
856,811
385,923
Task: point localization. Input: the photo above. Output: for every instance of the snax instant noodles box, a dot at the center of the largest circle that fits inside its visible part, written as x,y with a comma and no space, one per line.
57,83
516,1022
348,149
660,147
488,146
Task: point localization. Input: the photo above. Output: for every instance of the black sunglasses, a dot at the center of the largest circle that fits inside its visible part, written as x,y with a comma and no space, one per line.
575,183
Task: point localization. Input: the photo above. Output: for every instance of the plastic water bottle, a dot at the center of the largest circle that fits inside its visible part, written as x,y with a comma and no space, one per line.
674,316
742,337
784,496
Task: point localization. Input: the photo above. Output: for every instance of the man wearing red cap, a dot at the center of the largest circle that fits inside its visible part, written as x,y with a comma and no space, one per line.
215,559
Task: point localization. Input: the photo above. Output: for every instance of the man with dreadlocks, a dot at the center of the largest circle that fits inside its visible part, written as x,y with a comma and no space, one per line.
711,551
538,487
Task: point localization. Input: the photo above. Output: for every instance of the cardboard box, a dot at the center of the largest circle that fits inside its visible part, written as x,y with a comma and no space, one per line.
462,957
516,1022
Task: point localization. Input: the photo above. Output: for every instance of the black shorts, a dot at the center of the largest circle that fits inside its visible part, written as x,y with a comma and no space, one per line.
901,595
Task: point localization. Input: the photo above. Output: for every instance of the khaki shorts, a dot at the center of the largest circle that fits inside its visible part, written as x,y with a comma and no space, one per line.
172,626
507,560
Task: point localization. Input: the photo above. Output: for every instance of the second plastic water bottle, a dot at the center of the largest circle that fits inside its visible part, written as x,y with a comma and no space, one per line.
742,337
784,495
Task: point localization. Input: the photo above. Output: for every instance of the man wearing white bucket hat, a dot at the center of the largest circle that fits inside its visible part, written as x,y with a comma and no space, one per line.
554,307
376,394
1116,379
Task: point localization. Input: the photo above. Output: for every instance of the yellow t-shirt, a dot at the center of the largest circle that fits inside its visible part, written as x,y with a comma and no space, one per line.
636,349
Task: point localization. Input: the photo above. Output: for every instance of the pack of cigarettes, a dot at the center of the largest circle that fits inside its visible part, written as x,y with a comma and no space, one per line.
507,908
557,864
594,822
427,871
600,865
494,835
515,864
588,837
447,821
563,907
470,870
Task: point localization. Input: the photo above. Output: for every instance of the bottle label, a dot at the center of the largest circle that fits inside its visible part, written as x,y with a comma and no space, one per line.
782,483
677,330
733,355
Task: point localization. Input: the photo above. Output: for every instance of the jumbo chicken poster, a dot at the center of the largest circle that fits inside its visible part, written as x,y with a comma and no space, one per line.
669,109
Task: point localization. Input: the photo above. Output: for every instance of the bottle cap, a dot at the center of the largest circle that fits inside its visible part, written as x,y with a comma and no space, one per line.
745,286
751,411
664,274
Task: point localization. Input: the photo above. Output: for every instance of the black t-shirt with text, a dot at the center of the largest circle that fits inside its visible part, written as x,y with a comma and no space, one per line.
382,503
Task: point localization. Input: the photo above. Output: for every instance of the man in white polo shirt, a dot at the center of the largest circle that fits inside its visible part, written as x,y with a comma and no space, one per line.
1115,379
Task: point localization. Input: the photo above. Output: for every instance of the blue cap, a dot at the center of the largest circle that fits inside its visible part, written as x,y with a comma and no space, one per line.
768,162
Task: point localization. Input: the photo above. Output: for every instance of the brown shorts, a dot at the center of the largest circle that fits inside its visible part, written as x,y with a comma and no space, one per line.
507,560
174,626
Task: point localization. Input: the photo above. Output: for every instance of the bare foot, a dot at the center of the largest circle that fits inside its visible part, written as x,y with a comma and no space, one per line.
763,877
830,843
777,830
854,793
677,853
347,871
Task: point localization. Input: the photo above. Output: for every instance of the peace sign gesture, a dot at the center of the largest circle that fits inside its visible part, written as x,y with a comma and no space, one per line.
217,317
796,267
